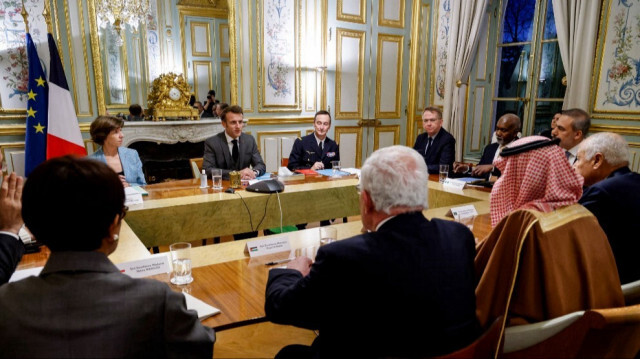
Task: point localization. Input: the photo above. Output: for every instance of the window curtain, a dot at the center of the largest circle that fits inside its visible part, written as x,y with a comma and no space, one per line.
577,27
468,21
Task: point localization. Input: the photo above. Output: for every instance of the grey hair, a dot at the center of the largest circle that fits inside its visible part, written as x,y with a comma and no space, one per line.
395,176
612,146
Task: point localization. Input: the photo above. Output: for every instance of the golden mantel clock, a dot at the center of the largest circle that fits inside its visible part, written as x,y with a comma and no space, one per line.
169,98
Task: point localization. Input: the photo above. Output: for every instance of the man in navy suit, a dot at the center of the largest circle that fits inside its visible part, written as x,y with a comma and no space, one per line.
11,247
315,151
613,196
405,288
436,145
507,129
232,150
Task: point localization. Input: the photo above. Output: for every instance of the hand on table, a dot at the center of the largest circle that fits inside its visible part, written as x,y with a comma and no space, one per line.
301,264
124,181
247,173
482,170
459,167
317,166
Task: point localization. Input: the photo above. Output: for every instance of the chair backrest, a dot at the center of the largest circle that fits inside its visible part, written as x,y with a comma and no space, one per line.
631,292
196,166
486,346
599,333
284,161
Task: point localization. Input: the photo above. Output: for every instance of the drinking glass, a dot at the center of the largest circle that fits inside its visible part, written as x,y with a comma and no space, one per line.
335,165
216,178
444,172
328,235
181,263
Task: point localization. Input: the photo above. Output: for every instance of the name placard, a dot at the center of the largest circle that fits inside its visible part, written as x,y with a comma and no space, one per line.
260,247
132,196
455,184
145,267
462,212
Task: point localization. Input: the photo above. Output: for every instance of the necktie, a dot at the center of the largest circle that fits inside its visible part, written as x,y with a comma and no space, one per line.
567,153
429,140
321,146
234,152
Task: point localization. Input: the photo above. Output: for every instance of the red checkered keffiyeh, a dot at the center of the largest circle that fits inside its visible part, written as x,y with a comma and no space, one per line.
539,179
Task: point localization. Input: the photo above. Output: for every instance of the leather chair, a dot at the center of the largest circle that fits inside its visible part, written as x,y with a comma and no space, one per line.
486,346
598,333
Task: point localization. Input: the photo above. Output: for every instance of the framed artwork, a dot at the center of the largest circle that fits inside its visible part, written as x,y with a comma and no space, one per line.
278,78
617,88
441,39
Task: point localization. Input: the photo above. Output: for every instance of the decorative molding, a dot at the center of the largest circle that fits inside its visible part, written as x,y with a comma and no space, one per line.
357,130
398,40
97,60
622,130
360,35
419,31
382,21
170,132
357,18
193,25
12,130
395,129
222,39
224,80
195,76
279,121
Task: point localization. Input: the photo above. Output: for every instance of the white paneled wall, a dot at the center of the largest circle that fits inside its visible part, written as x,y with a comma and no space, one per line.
276,146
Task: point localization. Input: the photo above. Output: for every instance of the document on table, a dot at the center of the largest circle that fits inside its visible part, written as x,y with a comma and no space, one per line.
203,309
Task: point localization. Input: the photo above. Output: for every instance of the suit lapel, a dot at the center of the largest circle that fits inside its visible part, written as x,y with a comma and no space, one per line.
225,150
241,146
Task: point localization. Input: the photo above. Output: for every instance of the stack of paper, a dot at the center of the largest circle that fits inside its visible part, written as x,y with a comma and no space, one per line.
203,309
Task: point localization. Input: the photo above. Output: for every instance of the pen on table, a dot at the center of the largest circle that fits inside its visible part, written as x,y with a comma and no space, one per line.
278,262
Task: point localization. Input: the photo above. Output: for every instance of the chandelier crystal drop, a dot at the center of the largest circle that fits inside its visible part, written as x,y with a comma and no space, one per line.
118,13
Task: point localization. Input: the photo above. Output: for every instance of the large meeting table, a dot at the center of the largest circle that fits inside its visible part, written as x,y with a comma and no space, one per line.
224,274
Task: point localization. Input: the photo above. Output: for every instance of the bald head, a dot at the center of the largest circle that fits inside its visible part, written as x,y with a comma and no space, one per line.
507,128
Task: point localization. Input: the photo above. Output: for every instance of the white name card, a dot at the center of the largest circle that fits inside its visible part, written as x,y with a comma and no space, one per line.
132,196
145,267
260,247
455,184
462,212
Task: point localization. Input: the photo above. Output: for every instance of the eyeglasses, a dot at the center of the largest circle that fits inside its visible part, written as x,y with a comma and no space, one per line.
123,214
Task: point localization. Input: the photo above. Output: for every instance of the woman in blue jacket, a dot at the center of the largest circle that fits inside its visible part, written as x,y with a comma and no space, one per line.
106,131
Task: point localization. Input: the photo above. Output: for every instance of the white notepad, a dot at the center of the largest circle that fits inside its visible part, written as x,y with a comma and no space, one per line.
203,309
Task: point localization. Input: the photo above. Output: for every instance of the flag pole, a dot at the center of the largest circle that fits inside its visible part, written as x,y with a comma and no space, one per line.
25,16
46,13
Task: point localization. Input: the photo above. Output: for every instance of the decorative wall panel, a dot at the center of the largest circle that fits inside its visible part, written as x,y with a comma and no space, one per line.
349,73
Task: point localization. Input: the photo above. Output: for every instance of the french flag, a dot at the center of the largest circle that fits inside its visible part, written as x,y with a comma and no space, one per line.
63,136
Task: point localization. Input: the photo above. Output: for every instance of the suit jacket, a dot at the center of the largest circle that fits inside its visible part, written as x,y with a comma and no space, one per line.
488,154
131,164
615,201
82,306
217,155
404,290
535,266
441,152
11,251
305,153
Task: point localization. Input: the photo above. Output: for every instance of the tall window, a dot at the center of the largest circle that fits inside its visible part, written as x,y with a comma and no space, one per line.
530,71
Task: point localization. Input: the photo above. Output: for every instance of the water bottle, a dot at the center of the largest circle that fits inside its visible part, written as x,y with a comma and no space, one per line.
203,179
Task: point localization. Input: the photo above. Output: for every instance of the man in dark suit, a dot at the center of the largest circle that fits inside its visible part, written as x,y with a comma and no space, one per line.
11,247
436,145
232,150
405,288
613,196
507,129
572,128
315,151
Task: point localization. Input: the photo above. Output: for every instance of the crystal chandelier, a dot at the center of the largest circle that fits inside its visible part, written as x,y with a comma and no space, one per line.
119,13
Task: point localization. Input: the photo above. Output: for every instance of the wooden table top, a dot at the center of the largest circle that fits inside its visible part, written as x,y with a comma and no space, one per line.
237,287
